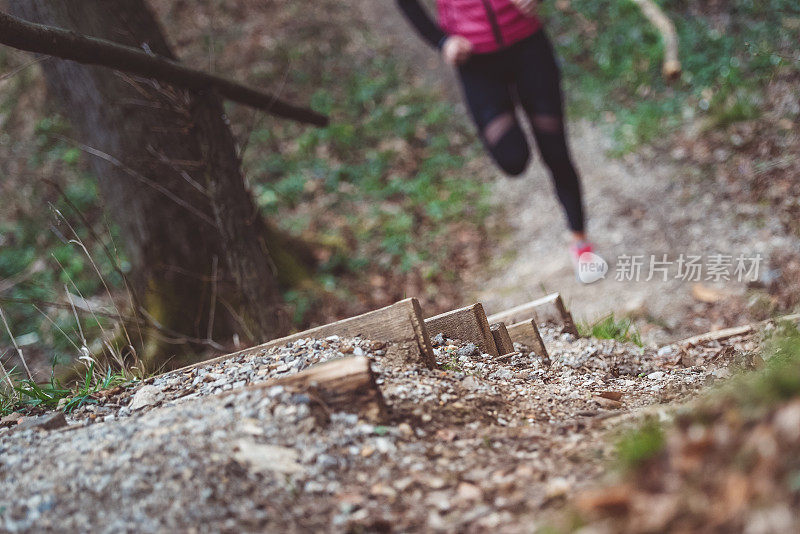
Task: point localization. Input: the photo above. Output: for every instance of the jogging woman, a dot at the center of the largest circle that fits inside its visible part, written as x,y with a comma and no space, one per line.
505,60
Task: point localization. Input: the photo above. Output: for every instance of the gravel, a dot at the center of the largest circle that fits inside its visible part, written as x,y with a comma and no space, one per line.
479,441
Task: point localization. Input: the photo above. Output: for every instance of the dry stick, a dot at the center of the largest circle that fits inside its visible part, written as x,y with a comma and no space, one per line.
114,264
672,63
147,322
142,178
77,241
6,374
65,44
14,342
14,72
213,302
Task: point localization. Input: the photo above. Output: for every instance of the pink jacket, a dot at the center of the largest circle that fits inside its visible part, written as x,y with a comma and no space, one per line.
488,24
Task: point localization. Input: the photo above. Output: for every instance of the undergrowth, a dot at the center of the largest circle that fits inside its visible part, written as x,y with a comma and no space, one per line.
388,173
777,381
27,393
748,395
729,51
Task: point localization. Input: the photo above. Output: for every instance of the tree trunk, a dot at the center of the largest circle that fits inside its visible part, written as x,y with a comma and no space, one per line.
169,175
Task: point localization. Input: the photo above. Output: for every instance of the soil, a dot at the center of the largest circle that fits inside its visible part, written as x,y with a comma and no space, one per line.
478,444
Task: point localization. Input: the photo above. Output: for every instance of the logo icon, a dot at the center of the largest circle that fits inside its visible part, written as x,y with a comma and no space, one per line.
591,268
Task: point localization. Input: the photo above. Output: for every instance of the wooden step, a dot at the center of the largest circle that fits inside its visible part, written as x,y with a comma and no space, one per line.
467,324
540,310
720,335
501,339
400,323
346,384
527,333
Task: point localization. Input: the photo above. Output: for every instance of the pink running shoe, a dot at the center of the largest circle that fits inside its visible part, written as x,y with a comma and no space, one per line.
589,267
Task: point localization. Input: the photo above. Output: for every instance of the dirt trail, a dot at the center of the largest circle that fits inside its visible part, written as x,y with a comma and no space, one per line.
638,205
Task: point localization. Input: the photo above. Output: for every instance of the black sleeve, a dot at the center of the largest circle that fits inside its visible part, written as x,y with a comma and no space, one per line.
423,23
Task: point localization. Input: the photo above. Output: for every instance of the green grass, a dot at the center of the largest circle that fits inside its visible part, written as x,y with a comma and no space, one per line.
388,167
777,381
613,68
609,327
52,395
641,445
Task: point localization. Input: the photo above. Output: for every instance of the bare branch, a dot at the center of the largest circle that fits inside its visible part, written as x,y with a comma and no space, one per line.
66,44
672,63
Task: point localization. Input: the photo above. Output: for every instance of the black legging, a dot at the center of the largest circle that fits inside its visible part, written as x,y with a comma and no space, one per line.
524,73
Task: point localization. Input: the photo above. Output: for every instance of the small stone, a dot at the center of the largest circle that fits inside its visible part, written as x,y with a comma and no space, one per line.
469,492
657,375
405,430
50,421
787,421
470,349
11,419
665,351
260,457
557,487
471,382
146,396
722,372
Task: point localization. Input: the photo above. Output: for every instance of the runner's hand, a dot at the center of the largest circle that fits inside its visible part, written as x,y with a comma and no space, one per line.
456,50
528,7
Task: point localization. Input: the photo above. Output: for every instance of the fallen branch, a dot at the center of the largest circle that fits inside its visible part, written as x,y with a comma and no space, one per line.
672,64
65,44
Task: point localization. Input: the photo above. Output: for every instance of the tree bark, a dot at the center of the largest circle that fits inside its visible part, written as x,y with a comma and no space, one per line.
169,175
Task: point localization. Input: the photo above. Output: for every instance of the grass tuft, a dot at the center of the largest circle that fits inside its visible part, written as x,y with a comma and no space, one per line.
778,381
641,445
609,327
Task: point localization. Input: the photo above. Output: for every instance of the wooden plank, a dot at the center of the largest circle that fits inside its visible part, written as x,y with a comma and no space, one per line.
540,310
527,333
467,324
720,335
400,323
346,384
501,339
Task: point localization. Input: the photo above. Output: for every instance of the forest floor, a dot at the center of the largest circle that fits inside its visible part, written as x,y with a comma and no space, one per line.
649,204
478,444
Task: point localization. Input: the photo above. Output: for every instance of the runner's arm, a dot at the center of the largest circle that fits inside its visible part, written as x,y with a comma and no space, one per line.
422,22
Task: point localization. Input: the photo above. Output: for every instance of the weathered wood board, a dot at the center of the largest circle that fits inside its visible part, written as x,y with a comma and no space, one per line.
342,384
467,324
501,339
400,322
726,333
527,333
548,307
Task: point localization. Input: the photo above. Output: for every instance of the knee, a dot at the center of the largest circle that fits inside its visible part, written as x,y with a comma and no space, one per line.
511,153
514,165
